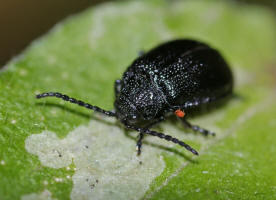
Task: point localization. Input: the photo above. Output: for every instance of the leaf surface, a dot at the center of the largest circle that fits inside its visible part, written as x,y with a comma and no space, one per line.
55,150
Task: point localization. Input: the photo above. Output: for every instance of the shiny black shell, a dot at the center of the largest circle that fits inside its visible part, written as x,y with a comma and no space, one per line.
179,74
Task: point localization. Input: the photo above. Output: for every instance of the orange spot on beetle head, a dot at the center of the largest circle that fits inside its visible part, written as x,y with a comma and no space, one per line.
179,113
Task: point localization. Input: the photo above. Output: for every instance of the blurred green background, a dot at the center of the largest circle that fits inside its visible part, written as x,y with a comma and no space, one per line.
23,21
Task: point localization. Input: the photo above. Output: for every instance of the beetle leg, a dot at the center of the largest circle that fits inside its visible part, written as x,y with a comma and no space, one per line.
141,135
139,143
117,87
196,128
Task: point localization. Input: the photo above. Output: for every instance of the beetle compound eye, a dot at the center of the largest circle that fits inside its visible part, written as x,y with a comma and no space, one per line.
179,113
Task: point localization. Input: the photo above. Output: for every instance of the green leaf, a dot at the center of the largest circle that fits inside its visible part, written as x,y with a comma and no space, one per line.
55,150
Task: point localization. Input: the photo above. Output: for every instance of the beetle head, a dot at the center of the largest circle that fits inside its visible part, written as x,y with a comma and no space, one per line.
139,106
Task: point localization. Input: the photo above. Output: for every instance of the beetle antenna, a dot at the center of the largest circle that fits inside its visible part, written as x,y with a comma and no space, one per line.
75,101
162,136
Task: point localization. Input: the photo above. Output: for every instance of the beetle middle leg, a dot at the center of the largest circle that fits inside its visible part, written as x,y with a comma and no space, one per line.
141,135
196,128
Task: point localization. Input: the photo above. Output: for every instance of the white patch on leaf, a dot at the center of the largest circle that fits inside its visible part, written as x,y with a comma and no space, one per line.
105,158
44,195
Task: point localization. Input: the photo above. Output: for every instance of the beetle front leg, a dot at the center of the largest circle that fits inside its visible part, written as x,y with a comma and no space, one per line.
196,128
141,135
139,143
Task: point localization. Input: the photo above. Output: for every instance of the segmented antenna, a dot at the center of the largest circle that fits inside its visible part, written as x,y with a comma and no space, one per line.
75,101
162,136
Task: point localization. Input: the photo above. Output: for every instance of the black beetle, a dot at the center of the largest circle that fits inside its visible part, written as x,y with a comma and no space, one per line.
173,77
